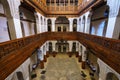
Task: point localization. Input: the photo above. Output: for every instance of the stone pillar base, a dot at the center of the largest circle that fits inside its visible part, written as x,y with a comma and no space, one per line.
83,64
80,59
41,64
54,54
70,54
77,54
47,54
45,58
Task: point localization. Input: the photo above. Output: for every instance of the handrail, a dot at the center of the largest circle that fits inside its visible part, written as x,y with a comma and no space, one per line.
12,52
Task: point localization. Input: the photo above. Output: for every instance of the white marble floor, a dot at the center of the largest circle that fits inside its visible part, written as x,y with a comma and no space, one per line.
61,68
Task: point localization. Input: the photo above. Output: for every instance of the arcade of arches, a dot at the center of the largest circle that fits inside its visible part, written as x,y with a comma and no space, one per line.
65,58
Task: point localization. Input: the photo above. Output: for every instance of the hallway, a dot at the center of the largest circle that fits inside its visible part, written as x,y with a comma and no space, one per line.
61,68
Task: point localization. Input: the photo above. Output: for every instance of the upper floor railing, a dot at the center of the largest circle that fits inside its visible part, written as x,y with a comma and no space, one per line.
54,8
12,52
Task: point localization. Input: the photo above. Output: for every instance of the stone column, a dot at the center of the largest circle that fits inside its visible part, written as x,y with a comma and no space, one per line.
81,25
12,13
80,53
46,30
70,24
53,45
40,21
83,57
77,49
70,46
42,28
44,52
37,15
44,25
114,10
86,23
53,24
47,48
78,25
40,57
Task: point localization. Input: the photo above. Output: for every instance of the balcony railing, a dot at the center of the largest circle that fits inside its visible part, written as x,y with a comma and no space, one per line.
62,9
12,52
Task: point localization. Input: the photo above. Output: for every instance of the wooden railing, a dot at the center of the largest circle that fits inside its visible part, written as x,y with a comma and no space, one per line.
15,52
70,9
66,9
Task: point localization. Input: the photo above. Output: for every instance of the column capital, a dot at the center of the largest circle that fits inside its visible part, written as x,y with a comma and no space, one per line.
53,24
70,19
114,6
14,8
53,19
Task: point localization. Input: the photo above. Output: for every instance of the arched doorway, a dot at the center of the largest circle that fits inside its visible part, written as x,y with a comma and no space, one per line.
89,22
74,25
83,24
28,22
49,25
62,24
111,76
98,70
19,75
74,47
99,21
50,47
62,46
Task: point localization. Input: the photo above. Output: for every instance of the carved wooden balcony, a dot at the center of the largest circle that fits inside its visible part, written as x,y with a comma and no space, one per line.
54,9
15,52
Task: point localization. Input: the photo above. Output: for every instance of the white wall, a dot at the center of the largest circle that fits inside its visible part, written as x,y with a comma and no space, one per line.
4,36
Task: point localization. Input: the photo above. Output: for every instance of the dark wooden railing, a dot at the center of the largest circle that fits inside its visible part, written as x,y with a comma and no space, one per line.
15,52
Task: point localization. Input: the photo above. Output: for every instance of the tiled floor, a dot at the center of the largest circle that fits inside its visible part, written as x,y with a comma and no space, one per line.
61,68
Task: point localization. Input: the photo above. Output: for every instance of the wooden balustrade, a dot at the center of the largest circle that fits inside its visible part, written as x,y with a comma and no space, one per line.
62,9
15,52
